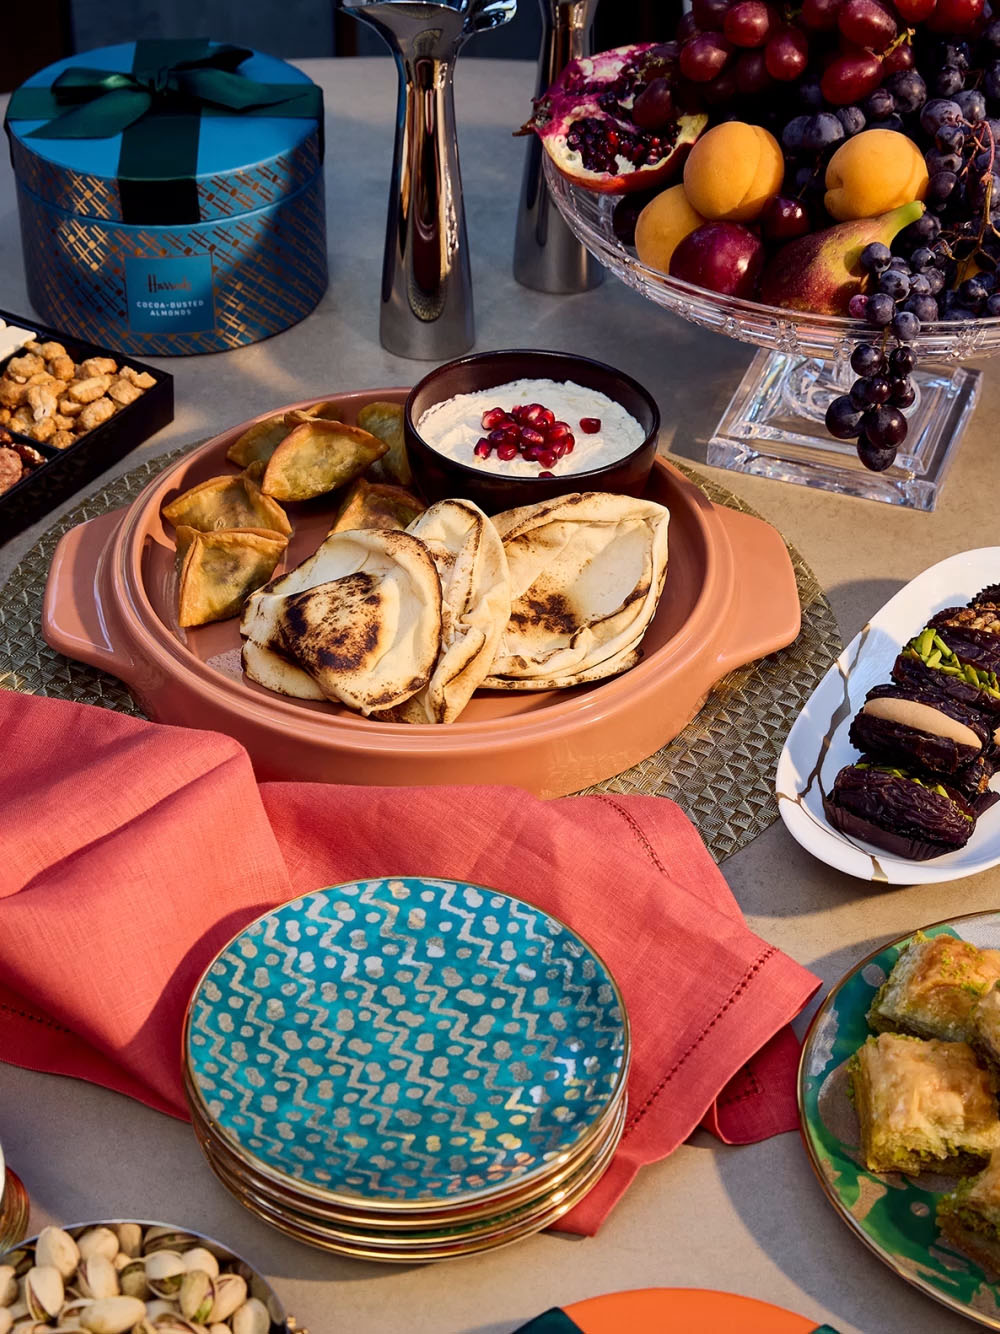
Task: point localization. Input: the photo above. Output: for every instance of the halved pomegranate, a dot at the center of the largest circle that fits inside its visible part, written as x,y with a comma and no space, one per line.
585,120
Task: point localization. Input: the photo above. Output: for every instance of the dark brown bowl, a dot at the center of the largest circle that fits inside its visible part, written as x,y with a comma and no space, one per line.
440,477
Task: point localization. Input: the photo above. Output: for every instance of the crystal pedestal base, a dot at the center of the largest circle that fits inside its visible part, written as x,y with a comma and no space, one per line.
774,427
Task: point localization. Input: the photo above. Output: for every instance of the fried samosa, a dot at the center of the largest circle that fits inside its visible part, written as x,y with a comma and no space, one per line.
318,456
386,421
218,570
376,505
227,502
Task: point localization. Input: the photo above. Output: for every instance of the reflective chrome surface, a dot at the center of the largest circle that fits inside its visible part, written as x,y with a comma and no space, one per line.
427,309
547,254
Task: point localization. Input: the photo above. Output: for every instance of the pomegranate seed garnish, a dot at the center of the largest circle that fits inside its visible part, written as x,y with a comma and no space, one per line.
529,436
557,431
506,452
504,435
518,412
494,417
483,448
534,414
532,451
546,474
548,458
546,417
590,425
568,444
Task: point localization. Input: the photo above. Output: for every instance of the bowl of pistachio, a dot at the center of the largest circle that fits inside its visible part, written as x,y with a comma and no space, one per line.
126,1275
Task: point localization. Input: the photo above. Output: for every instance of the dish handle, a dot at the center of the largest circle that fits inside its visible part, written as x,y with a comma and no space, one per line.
765,614
76,621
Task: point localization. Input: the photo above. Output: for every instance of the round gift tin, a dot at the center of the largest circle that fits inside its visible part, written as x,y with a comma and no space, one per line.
181,210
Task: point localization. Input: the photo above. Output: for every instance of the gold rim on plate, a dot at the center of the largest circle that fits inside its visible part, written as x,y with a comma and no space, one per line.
500,1222
436,1203
214,1144
310,1236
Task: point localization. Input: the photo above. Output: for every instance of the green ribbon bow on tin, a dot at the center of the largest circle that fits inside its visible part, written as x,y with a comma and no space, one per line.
98,104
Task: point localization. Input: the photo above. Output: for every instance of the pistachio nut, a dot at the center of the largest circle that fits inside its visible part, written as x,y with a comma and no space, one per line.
8,1285
122,1261
200,1258
97,1277
144,1327
132,1279
230,1293
44,1292
160,1307
6,1320
165,1271
29,1326
57,1248
251,1318
219,1329
129,1238
177,1324
197,1295
98,1241
112,1315
19,1309
166,1239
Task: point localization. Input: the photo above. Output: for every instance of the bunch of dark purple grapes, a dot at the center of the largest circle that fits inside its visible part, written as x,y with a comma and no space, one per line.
871,412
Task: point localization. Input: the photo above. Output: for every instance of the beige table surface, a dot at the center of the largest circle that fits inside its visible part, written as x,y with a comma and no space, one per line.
750,1220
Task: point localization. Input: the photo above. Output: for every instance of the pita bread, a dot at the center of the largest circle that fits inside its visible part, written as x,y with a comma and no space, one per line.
475,606
218,570
586,573
360,620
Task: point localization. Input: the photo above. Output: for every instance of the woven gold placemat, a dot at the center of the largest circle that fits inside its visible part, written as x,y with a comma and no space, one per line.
720,769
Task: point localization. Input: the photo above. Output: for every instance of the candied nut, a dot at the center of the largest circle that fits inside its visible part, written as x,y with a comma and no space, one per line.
67,406
11,393
124,391
21,419
62,439
39,377
50,350
4,416
19,368
62,422
95,413
41,430
86,391
63,368
96,366
42,400
11,468
142,379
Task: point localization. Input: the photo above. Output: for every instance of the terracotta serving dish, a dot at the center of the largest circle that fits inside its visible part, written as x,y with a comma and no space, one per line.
730,597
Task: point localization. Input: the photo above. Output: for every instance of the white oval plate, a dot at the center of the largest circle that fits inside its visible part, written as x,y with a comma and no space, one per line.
817,747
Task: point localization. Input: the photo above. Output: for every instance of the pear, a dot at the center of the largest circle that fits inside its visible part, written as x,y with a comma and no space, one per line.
822,271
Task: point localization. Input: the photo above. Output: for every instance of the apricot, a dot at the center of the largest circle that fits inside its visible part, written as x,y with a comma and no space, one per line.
662,225
872,173
732,171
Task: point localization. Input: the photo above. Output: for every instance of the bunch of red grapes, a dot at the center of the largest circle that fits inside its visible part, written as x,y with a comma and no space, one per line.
748,47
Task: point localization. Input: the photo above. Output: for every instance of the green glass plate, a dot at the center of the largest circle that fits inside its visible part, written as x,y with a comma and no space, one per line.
893,1214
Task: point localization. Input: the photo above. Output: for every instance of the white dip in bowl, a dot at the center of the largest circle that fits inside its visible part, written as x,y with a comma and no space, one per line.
454,426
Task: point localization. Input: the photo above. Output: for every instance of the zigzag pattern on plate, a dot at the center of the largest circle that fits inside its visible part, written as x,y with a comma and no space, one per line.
405,1037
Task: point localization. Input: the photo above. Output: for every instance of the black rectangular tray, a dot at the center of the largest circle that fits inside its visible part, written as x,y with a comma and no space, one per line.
67,470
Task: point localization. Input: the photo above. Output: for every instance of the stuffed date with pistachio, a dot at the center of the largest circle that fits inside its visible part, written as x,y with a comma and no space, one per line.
921,727
895,809
930,662
972,633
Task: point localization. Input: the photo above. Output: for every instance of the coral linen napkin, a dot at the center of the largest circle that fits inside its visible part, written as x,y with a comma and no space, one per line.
132,852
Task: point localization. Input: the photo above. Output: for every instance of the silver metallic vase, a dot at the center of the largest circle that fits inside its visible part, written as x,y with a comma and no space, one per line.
427,310
547,256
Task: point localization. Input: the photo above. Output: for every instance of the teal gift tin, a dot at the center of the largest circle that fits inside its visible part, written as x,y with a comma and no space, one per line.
170,195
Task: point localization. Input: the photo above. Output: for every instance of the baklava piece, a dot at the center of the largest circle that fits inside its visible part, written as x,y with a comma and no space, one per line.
969,1216
923,1105
986,1028
933,988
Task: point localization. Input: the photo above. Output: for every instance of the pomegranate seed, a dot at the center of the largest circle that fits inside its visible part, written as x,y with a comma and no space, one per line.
532,452
534,414
518,412
546,474
506,452
547,458
568,445
529,436
483,448
504,435
557,431
494,417
590,425
558,449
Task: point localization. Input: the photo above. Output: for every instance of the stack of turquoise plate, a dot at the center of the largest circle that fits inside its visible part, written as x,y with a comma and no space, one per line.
407,1069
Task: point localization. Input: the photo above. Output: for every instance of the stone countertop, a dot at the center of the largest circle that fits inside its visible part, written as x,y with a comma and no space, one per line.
750,1220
